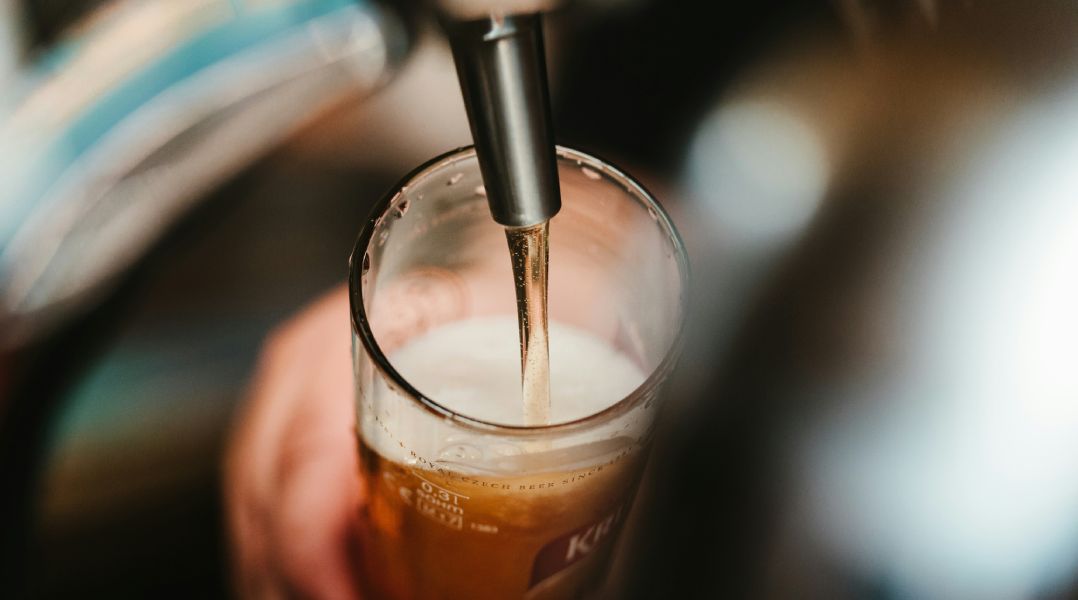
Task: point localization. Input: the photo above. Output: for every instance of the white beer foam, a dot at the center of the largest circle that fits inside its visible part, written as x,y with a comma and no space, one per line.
472,367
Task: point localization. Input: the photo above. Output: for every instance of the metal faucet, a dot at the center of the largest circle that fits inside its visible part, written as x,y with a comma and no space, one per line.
502,71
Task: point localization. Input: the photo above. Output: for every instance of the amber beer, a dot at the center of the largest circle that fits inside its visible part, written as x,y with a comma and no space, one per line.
445,535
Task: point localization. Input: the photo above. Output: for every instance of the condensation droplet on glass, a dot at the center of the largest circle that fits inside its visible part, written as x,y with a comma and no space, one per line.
480,191
454,179
654,215
366,263
460,452
382,237
401,208
411,461
589,173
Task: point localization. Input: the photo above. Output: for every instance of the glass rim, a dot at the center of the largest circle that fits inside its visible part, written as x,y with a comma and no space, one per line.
361,324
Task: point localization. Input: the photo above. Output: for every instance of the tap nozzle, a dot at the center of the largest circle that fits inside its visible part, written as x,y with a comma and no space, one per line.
502,70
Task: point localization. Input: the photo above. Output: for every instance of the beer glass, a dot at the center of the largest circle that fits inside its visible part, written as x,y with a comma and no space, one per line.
474,506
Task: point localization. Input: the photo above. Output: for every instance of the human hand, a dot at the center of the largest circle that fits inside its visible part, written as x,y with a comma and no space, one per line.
291,477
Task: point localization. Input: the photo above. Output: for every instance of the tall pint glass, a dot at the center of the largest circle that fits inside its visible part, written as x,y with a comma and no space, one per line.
464,500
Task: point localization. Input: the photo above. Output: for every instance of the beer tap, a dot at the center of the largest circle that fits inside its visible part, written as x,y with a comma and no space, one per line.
502,70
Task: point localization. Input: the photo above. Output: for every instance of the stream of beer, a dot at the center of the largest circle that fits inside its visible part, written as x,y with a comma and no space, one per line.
530,255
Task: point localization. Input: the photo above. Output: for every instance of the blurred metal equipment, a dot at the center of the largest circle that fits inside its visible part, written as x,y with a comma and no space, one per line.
897,412
109,137
121,129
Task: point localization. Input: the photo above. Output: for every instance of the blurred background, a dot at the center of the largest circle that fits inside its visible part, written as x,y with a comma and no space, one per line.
880,197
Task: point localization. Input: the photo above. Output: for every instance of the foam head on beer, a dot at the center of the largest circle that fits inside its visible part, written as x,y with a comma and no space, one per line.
472,368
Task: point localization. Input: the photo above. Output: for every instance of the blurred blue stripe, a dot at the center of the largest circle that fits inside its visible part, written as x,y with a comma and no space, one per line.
249,29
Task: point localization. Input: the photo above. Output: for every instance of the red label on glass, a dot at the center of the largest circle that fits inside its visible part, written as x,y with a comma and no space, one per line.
567,549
